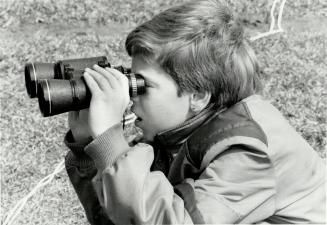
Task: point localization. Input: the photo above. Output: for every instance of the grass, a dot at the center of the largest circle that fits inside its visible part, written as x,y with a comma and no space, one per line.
293,68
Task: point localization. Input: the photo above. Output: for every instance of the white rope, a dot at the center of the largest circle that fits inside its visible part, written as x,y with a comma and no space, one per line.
280,14
265,34
273,21
272,16
11,216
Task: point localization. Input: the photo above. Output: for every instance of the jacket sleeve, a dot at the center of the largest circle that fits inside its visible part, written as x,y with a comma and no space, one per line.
127,190
81,170
228,191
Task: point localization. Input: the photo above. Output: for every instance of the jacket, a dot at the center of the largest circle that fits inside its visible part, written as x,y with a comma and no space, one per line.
244,164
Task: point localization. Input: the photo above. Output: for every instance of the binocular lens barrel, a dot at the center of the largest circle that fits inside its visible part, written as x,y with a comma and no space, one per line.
60,87
62,69
60,96
35,72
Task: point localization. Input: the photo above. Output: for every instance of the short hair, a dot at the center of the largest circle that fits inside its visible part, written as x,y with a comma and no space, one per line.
202,47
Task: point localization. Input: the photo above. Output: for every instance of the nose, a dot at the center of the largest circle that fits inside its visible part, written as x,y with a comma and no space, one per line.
133,103
133,106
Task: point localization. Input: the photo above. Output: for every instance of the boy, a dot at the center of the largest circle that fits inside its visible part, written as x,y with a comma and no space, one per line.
212,150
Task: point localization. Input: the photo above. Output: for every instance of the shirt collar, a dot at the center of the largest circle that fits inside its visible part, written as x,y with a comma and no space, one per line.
179,134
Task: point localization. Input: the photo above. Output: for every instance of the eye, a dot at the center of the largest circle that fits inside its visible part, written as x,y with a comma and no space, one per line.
148,84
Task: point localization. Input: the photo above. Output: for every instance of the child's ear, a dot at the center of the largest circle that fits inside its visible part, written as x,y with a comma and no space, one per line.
199,101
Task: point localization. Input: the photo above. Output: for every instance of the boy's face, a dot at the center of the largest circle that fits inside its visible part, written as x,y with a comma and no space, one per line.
159,108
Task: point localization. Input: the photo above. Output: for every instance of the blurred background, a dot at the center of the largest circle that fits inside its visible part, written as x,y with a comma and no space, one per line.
293,67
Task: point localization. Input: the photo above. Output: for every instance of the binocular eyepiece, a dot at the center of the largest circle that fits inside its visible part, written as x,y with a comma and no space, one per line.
60,87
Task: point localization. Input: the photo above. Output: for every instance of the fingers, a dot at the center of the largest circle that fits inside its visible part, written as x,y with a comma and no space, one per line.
92,84
117,74
105,79
108,74
122,79
99,78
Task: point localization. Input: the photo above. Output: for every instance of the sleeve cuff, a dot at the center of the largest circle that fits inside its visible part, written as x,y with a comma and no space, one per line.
80,162
108,147
76,147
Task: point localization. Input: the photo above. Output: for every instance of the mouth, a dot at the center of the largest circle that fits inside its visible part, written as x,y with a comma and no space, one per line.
138,119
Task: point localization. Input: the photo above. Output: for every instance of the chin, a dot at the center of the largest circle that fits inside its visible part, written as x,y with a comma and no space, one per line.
148,138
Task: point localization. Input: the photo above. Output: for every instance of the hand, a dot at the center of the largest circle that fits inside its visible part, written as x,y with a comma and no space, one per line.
78,123
110,98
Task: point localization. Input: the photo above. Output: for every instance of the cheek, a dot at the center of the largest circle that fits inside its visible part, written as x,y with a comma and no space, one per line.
156,110
168,111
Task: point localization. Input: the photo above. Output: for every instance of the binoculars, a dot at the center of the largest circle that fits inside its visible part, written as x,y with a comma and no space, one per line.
60,86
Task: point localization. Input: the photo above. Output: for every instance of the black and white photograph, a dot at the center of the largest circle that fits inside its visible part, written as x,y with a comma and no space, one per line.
163,112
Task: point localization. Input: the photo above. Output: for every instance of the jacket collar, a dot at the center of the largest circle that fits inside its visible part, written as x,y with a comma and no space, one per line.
178,135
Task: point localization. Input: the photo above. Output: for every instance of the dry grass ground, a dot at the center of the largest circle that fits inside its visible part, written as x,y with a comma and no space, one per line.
293,68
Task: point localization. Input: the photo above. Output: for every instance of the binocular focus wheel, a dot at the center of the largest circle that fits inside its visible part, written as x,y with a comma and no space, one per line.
133,85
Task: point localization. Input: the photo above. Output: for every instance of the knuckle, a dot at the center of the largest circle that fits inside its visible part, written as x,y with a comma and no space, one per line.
124,78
